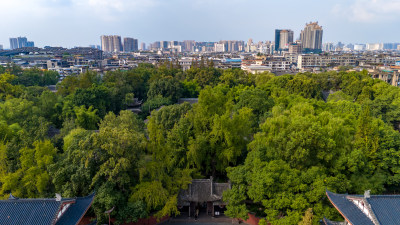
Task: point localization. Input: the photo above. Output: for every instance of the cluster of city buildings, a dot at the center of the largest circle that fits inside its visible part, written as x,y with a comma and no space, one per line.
20,42
114,44
281,56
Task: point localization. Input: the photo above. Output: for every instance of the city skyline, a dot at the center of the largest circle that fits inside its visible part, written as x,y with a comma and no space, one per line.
70,23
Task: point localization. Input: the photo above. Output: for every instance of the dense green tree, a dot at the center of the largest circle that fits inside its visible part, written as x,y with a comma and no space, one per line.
86,118
168,87
37,77
97,97
84,80
7,90
32,178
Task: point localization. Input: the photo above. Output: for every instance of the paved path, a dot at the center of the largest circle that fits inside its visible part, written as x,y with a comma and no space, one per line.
202,220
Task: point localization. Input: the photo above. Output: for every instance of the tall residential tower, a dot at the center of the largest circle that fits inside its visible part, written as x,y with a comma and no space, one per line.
20,42
283,38
130,44
311,37
111,43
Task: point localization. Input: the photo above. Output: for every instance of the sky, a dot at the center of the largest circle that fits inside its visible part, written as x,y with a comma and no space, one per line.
70,23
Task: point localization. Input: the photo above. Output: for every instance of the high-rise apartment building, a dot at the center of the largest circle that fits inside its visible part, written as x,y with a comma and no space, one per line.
359,47
164,44
143,46
311,37
220,47
22,41
188,45
249,44
111,43
374,46
13,43
1,47
286,37
295,48
283,38
327,47
30,44
130,44
277,38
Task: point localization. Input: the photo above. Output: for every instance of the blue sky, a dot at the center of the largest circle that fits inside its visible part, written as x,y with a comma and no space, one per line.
71,23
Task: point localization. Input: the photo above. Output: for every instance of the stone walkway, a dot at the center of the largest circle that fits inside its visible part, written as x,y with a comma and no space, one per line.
202,220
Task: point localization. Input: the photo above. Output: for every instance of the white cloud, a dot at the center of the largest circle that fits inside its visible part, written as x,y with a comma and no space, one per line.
370,11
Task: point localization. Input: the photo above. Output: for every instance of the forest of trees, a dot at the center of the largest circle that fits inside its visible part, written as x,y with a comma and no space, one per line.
278,139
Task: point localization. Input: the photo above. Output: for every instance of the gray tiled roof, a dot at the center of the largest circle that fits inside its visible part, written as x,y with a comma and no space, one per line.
28,211
76,211
202,190
16,211
386,208
348,209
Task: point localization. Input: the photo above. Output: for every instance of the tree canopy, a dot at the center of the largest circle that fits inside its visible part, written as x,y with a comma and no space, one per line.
280,140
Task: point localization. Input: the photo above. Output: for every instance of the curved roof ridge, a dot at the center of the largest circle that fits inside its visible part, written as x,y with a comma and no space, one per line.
348,209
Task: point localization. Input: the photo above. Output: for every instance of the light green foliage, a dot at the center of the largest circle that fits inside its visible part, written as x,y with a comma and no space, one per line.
7,90
204,76
71,83
86,118
234,77
190,89
307,218
117,149
219,134
164,174
306,148
32,178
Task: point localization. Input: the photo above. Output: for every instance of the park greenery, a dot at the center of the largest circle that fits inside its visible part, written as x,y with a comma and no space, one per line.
280,140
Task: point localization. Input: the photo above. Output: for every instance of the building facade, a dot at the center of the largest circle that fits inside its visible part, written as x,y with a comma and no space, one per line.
286,38
311,37
203,192
130,44
111,43
306,61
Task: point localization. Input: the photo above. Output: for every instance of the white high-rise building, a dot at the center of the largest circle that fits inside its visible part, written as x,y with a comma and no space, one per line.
111,43
219,47
327,47
311,37
359,47
285,38
374,46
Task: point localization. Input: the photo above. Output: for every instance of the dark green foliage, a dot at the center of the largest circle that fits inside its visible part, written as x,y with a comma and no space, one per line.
36,77
167,87
97,97
155,103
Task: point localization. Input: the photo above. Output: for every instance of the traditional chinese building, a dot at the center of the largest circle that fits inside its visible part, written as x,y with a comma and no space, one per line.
366,209
203,191
54,211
